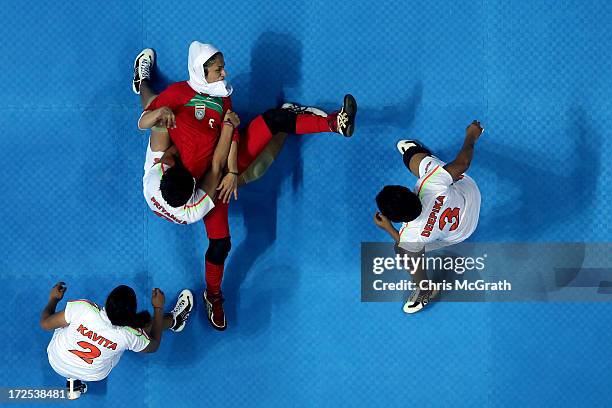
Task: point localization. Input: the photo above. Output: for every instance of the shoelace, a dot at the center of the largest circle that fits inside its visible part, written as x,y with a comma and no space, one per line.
144,68
297,109
342,120
179,305
422,296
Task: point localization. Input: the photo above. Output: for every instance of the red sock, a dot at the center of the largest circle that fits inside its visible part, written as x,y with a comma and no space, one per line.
214,276
311,124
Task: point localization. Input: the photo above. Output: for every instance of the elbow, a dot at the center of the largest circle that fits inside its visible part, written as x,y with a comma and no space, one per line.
153,346
44,325
463,165
143,126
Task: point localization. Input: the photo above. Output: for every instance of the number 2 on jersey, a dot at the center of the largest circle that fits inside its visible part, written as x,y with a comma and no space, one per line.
450,215
87,356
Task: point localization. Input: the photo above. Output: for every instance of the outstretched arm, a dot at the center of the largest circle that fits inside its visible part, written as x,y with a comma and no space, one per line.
50,320
158,299
462,162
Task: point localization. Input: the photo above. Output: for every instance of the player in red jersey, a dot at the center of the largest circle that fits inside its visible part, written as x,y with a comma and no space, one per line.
191,111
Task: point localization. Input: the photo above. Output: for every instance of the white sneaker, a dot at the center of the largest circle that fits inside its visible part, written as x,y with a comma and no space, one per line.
295,108
418,300
142,68
75,388
180,313
404,145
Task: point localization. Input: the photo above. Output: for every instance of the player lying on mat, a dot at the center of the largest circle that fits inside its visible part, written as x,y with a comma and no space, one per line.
89,340
196,107
443,209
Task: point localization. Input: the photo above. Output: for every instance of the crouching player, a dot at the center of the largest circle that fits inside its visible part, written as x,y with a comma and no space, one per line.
443,209
89,340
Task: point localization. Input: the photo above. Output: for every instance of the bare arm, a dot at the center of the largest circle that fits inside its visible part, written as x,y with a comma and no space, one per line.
157,299
50,320
232,159
463,160
225,147
211,179
229,183
162,116
383,223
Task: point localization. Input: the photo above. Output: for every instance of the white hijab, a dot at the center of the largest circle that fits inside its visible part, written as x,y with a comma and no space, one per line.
198,54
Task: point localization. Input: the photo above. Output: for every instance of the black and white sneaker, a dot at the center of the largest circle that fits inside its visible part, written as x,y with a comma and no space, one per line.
404,145
181,311
299,109
75,388
418,299
142,68
343,121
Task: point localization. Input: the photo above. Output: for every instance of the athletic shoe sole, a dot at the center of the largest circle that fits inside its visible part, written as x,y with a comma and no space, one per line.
294,107
404,145
350,108
420,306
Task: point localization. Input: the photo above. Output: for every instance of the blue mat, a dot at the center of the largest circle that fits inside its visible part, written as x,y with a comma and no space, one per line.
536,73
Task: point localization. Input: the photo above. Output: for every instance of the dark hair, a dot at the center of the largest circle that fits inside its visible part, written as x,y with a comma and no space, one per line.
176,185
121,308
398,204
211,61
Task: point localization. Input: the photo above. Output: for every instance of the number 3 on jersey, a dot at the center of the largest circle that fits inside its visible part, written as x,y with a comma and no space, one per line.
449,215
87,356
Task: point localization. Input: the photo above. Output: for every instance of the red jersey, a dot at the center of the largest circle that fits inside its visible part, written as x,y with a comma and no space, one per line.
199,119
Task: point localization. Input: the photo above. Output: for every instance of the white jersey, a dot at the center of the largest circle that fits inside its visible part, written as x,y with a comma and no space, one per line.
90,346
450,209
197,207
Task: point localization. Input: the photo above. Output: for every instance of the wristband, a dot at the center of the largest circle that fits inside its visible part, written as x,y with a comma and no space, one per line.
233,172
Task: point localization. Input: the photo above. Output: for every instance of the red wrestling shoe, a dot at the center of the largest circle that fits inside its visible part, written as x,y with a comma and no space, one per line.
214,309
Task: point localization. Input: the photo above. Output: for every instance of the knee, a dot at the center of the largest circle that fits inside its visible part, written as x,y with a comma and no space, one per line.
280,120
218,250
414,148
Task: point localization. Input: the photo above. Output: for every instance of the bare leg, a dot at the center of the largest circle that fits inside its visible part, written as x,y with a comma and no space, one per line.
159,139
146,93
265,159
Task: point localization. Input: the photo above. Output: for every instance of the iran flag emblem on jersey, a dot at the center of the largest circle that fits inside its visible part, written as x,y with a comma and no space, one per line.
200,112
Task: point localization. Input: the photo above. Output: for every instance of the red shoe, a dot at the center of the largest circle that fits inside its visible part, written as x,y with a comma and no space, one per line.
214,309
343,121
